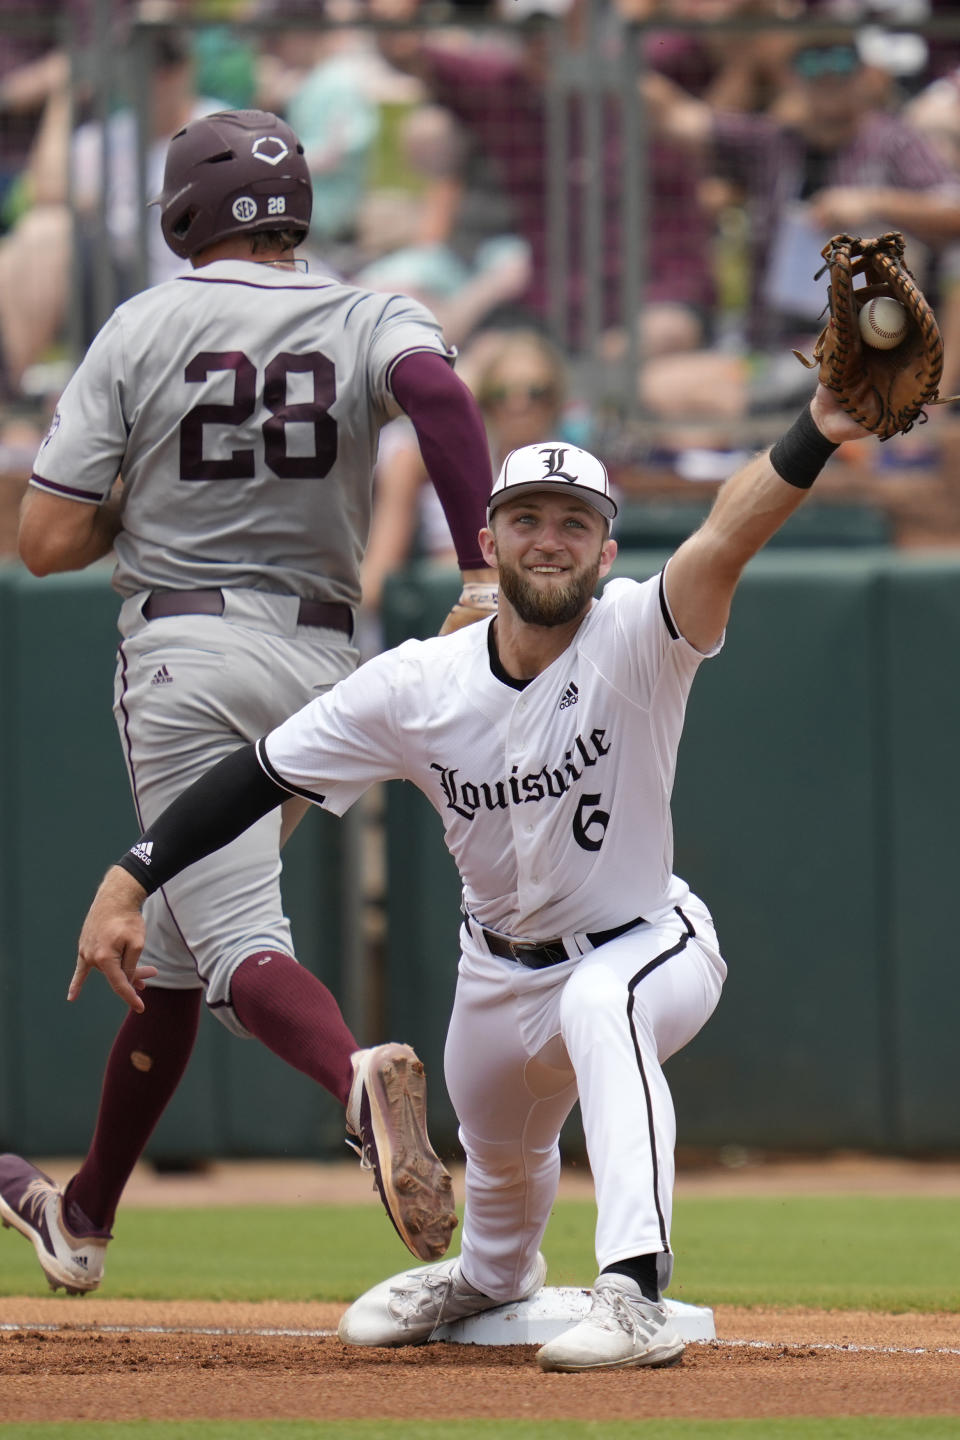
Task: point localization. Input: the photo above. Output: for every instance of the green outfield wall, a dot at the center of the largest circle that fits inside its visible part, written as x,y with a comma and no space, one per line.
815,812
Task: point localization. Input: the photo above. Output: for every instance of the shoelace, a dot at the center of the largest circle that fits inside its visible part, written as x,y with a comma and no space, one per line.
417,1299
364,1152
34,1198
617,1312
361,1148
410,1301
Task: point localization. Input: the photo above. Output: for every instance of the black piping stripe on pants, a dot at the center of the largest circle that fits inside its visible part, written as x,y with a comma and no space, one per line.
641,974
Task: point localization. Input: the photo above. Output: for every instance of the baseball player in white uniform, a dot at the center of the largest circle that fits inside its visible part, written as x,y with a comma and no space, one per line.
241,403
546,740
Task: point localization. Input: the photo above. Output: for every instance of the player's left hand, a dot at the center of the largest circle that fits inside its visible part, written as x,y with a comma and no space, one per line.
832,420
112,940
478,601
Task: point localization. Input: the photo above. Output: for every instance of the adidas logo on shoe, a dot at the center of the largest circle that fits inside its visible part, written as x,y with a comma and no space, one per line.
31,1203
162,677
570,696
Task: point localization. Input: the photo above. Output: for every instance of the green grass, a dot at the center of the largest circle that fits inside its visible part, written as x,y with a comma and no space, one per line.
864,1427
846,1252
833,1252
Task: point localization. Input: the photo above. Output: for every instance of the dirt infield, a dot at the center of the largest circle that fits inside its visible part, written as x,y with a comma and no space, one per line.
280,1360
786,1363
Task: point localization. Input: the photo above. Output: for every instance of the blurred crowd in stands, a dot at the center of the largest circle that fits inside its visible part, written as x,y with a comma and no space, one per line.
433,131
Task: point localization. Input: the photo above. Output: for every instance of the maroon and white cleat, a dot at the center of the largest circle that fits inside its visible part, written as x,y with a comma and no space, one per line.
387,1126
31,1203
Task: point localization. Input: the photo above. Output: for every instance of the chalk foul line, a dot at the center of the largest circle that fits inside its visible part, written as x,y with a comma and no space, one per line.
16,1327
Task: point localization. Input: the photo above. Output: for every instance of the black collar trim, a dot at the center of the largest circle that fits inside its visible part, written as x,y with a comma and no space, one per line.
497,668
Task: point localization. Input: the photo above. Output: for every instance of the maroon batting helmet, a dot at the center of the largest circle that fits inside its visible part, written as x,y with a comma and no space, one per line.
233,173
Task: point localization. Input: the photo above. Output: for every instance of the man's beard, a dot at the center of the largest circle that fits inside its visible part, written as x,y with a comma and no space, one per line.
548,607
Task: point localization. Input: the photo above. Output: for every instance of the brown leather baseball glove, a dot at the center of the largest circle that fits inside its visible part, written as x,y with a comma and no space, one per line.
884,390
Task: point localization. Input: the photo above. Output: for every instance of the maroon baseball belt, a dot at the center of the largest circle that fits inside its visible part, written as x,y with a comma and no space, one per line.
161,604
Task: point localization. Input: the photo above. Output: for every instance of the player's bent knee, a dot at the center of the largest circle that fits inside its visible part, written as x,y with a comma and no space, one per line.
502,1164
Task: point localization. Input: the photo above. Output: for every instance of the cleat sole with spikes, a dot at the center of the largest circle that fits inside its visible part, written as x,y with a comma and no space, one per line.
414,1185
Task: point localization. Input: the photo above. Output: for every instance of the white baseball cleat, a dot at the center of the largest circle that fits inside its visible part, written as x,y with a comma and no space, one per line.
387,1127
31,1203
408,1308
623,1328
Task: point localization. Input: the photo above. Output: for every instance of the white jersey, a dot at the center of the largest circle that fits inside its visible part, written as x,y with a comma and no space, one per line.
554,795
242,403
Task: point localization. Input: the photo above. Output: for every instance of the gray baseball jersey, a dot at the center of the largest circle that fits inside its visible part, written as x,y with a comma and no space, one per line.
242,403
245,427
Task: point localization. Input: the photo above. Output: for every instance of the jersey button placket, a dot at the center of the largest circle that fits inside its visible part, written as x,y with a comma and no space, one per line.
523,824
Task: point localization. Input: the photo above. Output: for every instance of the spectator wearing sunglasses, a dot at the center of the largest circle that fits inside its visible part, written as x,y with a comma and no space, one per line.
826,158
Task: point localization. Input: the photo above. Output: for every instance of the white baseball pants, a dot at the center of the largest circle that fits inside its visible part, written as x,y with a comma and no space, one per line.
523,1045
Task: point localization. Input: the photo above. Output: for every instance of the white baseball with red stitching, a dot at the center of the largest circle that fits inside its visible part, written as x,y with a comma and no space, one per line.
883,323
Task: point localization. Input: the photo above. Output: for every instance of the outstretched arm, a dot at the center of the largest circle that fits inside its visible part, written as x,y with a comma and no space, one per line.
701,577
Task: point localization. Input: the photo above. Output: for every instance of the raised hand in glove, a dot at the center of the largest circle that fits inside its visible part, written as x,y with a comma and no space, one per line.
883,390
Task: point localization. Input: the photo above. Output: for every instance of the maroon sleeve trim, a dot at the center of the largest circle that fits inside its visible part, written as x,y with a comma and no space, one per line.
71,491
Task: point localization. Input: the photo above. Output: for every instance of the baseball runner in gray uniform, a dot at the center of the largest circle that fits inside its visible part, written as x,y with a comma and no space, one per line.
241,404
546,740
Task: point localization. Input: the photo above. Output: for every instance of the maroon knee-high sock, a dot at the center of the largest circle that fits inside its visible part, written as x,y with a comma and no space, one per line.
295,1015
145,1067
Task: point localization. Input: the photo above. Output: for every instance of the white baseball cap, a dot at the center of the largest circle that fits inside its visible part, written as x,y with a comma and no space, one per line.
559,468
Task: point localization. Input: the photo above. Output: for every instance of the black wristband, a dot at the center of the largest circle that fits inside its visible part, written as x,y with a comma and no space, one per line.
800,454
